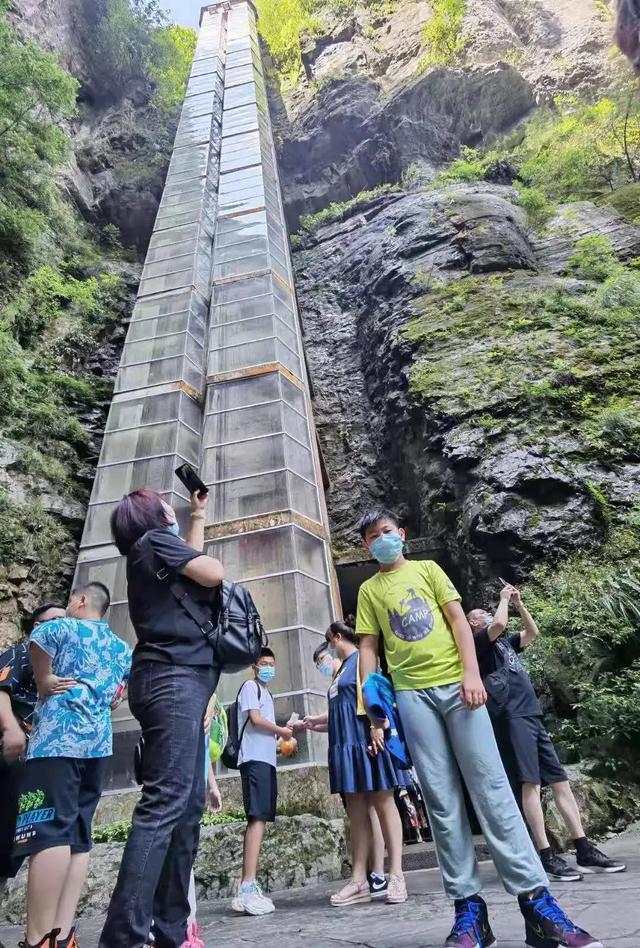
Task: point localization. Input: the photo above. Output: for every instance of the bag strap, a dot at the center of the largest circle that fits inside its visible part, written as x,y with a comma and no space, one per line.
244,726
181,594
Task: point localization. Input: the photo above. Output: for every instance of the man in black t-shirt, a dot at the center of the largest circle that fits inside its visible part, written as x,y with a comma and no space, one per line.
527,750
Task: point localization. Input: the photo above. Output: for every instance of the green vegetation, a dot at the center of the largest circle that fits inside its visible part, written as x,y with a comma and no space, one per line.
443,34
588,656
132,41
283,24
593,258
337,211
570,152
554,360
118,832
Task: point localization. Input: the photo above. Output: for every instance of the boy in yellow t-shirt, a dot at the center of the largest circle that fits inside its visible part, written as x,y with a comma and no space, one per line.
440,697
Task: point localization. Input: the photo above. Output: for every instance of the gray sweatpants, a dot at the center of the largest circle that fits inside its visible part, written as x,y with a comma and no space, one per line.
441,731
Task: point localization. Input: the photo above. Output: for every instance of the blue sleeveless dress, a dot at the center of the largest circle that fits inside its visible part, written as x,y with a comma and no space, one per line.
351,769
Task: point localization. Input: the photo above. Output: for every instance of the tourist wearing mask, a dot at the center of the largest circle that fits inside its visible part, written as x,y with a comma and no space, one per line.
259,734
18,698
329,667
172,679
361,773
440,699
528,753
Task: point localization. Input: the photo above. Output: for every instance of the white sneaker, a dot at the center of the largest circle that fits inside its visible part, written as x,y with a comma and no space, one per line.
252,901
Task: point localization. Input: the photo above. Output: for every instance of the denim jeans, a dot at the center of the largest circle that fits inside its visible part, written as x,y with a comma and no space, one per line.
446,738
169,701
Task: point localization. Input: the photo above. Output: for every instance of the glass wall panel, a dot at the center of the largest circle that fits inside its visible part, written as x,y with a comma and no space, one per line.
299,459
243,392
142,442
179,248
295,424
289,360
253,245
293,394
121,623
241,460
247,330
259,420
275,599
164,238
190,412
97,528
315,602
166,325
239,75
286,335
310,557
303,497
112,572
116,480
143,411
242,357
189,445
177,369
256,554
248,497
149,349
174,281
244,309
245,265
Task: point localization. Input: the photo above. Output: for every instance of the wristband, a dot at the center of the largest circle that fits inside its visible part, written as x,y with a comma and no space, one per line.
197,516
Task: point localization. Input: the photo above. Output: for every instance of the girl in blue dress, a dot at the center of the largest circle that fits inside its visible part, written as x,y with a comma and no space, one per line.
361,777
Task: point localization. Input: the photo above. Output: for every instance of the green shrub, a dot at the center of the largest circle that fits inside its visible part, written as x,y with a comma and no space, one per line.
534,202
283,25
337,211
169,65
118,832
442,34
593,258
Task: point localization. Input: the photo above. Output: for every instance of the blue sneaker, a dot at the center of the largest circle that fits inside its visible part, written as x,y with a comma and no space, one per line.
471,928
547,926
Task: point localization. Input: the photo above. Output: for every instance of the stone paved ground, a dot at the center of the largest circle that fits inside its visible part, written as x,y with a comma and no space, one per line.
606,905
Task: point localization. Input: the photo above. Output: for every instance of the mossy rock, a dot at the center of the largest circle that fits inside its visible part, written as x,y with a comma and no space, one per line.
626,201
604,805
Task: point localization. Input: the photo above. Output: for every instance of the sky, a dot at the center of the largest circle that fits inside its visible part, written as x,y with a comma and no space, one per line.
185,12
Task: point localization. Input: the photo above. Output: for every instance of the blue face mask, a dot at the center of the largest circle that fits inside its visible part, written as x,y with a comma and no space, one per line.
326,668
266,673
387,547
174,528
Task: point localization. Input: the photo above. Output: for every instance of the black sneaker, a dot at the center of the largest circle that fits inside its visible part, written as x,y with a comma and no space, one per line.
594,860
378,885
471,928
547,926
559,869
47,941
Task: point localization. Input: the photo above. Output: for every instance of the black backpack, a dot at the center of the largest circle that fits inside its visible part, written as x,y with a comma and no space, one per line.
231,752
238,635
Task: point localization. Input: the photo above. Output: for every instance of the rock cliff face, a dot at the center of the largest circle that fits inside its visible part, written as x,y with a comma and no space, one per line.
482,476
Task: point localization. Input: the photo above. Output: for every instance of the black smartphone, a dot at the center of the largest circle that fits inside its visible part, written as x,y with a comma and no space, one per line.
186,474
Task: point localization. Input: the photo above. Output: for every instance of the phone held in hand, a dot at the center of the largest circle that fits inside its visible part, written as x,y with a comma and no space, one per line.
186,474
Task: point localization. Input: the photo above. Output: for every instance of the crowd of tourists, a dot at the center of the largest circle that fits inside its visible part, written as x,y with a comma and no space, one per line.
430,712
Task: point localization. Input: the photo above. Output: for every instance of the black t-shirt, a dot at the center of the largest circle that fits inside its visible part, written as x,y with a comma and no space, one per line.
522,700
165,631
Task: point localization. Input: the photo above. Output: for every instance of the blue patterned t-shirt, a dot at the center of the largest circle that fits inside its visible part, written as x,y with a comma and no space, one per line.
77,723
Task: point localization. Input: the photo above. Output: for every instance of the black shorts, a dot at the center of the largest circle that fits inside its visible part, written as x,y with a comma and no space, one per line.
58,797
259,790
529,753
10,779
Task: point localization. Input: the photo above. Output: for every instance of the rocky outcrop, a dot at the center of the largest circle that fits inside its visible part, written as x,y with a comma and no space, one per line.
297,851
497,495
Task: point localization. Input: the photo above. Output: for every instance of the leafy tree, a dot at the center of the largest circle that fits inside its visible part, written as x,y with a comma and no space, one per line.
34,92
442,34
283,24
124,40
170,61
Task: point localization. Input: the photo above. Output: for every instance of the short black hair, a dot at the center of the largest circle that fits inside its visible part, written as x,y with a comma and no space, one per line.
40,611
320,651
344,631
266,652
97,593
375,515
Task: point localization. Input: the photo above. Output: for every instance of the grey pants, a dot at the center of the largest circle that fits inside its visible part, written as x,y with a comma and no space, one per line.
440,732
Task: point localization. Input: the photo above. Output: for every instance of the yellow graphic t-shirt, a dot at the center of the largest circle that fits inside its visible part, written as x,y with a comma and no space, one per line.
405,605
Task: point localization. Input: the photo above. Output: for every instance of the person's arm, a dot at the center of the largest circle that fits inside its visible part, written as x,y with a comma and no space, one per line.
501,617
530,630
472,689
316,722
215,797
195,533
13,737
204,570
46,682
269,726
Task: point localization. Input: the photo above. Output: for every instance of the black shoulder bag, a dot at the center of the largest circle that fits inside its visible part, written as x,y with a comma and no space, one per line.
239,634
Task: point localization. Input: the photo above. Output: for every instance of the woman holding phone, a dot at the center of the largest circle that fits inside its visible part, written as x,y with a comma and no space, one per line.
173,676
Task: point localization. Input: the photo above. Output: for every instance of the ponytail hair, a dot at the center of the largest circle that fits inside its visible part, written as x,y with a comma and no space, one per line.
347,632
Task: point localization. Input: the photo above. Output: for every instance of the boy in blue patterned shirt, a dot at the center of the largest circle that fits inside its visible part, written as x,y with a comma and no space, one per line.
79,665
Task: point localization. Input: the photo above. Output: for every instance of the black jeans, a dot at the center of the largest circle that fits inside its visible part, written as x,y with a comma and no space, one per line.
169,701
